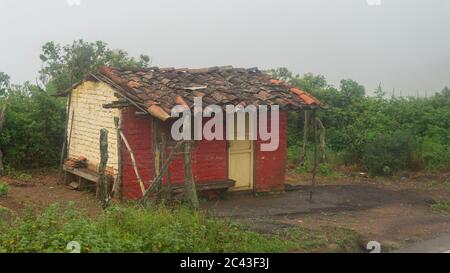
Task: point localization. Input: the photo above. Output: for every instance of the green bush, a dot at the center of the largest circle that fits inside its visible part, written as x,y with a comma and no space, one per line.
386,154
435,154
353,121
4,189
34,129
132,229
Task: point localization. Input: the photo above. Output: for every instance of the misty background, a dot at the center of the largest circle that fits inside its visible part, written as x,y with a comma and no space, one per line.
404,44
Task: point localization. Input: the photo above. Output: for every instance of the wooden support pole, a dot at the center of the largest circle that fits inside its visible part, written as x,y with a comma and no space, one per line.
102,185
190,190
156,184
305,138
314,172
156,158
133,162
163,161
322,132
64,147
117,189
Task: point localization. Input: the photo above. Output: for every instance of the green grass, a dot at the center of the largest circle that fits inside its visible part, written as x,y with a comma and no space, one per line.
4,189
441,206
134,229
323,239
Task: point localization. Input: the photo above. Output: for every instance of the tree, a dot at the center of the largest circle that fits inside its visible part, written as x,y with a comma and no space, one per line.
379,92
4,83
63,66
352,89
310,82
282,73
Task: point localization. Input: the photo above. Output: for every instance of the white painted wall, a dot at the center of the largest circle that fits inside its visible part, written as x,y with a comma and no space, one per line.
89,117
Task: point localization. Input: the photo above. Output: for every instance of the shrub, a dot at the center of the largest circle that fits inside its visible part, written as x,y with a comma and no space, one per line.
434,154
4,189
132,229
386,154
34,128
25,177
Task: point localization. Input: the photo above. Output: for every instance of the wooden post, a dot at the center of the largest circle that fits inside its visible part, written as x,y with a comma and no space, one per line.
156,166
190,190
133,161
118,184
305,139
314,172
102,184
156,184
2,122
64,147
163,161
322,132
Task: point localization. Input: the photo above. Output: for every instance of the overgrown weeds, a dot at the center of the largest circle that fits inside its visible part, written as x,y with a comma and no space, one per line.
160,229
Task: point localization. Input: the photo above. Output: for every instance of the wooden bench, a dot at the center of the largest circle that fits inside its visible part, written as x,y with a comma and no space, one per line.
210,189
83,176
83,173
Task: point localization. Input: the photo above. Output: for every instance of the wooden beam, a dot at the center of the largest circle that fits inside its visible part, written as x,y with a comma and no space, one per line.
84,173
314,172
117,189
156,184
64,147
156,154
163,161
303,157
102,184
190,190
70,136
322,132
133,162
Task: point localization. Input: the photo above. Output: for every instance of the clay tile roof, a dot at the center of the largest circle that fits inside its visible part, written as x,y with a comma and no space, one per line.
163,88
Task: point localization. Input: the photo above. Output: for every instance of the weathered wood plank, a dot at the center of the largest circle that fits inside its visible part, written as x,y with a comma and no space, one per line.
102,185
190,190
84,173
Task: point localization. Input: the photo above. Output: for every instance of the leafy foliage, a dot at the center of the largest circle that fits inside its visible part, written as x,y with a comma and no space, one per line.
135,229
389,153
377,132
4,189
65,65
34,128
4,83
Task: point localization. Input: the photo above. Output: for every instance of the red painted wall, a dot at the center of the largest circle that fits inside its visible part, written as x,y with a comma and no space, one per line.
138,132
209,158
270,167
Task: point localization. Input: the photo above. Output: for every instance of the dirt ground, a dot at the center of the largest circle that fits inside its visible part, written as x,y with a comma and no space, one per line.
41,189
394,211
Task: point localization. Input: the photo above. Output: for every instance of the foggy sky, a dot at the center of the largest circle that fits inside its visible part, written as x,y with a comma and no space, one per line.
404,44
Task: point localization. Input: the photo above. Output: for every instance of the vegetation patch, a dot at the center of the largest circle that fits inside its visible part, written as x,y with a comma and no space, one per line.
441,206
324,239
4,189
135,229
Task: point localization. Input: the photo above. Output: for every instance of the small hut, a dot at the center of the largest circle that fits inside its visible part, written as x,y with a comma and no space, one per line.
140,142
